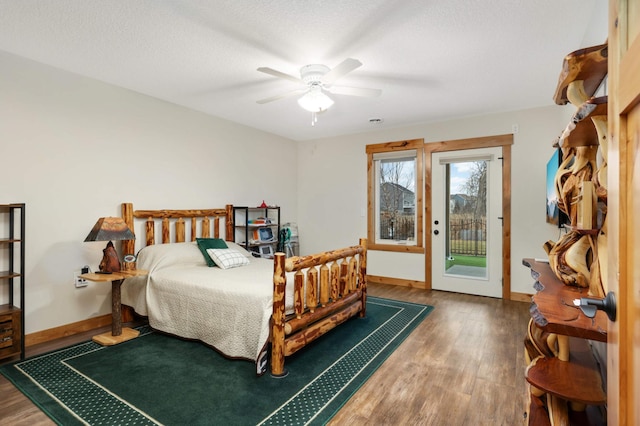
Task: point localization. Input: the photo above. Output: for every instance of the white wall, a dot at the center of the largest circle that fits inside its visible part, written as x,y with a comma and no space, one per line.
328,216
73,149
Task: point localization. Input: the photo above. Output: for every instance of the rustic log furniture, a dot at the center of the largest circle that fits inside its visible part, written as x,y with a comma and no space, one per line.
565,367
328,288
118,334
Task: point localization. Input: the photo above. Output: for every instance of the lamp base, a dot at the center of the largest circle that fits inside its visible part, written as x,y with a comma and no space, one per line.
108,339
110,262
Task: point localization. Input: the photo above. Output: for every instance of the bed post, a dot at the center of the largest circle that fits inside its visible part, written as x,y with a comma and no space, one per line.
363,276
278,316
229,235
128,246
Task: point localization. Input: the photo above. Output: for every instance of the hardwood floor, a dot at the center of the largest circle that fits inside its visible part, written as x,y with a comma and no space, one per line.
464,365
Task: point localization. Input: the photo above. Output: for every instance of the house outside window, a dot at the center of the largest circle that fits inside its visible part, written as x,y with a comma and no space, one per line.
395,195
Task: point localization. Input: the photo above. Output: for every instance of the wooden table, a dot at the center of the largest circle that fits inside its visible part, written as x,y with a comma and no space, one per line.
118,334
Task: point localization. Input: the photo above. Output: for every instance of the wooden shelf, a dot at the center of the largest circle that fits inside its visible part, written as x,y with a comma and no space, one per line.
581,231
553,310
581,131
9,240
113,276
12,314
588,65
577,380
9,274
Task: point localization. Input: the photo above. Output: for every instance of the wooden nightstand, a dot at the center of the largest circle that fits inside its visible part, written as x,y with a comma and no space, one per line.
118,333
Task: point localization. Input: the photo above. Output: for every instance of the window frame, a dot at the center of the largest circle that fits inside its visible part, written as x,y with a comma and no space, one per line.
394,148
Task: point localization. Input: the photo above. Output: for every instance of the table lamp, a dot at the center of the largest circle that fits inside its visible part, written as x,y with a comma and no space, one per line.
110,229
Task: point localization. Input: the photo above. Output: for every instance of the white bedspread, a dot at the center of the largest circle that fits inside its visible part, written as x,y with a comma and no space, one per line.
227,309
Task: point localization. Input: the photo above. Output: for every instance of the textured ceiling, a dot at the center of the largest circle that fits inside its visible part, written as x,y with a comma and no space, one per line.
433,60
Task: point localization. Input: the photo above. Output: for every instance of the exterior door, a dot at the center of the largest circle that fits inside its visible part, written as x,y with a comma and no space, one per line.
623,348
466,228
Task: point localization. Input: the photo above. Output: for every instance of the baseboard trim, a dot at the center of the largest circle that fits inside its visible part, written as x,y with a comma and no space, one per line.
516,297
396,281
521,297
67,330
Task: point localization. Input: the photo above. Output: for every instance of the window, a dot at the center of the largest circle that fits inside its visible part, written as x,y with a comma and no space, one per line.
395,195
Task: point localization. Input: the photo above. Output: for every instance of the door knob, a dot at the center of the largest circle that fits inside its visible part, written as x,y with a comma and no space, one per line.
436,232
590,306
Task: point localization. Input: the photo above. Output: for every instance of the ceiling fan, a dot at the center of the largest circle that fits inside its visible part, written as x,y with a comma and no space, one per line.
317,79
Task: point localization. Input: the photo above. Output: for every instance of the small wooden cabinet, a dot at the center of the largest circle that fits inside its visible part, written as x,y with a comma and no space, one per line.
12,310
257,229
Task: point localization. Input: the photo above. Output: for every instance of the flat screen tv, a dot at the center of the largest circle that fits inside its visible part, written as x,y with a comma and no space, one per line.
555,216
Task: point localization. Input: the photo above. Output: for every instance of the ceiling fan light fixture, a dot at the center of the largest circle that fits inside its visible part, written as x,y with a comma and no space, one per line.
315,100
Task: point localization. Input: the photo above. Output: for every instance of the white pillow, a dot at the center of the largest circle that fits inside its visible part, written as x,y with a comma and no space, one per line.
227,258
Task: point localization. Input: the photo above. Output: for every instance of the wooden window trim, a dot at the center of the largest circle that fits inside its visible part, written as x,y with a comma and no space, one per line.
406,145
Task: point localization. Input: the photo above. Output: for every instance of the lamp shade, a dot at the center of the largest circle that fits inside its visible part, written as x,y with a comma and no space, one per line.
315,100
110,229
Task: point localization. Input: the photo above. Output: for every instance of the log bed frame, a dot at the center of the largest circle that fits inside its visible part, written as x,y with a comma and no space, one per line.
334,282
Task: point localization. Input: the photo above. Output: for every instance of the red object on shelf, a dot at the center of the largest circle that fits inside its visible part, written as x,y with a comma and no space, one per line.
263,205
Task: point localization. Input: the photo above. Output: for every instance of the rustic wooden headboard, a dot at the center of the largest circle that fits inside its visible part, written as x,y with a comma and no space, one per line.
177,218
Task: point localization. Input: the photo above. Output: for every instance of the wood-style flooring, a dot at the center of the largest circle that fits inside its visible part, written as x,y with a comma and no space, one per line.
464,365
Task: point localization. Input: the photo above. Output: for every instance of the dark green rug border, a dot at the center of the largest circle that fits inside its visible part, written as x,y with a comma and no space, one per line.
60,414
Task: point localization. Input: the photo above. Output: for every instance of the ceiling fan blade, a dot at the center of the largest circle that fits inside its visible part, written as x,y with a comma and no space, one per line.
354,91
341,69
280,74
282,95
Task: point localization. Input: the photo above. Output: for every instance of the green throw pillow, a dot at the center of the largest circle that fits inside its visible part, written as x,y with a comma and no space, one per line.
210,243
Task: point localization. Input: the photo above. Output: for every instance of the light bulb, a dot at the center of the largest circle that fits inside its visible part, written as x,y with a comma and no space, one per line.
315,100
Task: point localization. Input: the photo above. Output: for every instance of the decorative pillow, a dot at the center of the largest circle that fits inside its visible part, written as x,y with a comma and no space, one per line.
210,243
158,256
227,258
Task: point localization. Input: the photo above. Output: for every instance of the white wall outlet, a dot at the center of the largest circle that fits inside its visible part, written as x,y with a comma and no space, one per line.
79,282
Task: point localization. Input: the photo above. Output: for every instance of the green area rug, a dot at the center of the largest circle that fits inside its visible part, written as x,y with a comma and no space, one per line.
157,379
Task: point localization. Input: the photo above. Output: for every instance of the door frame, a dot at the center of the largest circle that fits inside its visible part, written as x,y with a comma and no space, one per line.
623,346
504,141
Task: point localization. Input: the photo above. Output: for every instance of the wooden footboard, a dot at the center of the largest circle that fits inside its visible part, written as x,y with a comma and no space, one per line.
332,290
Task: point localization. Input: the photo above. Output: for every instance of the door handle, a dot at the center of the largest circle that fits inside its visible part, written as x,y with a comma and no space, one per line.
590,306
436,232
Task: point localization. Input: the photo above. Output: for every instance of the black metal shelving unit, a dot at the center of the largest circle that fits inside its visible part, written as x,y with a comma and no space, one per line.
245,228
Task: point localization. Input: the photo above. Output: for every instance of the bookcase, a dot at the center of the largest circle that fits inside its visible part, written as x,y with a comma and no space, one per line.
257,229
12,250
